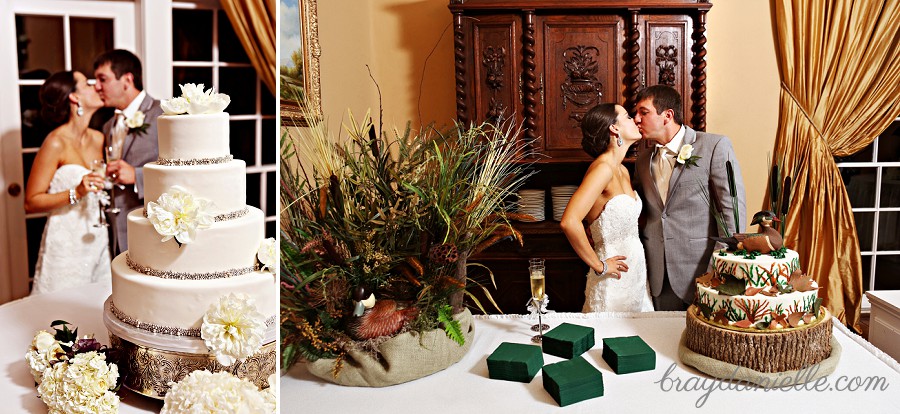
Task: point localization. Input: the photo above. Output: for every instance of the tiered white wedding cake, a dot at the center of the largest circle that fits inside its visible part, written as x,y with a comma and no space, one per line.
189,293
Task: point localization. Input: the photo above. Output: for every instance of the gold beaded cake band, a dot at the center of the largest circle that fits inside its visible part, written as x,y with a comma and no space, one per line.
168,274
160,329
171,162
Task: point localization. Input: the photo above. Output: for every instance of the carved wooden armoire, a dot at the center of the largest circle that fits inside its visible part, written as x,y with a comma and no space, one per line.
544,63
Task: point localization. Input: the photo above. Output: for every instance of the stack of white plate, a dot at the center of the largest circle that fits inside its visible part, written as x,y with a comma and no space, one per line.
531,202
561,195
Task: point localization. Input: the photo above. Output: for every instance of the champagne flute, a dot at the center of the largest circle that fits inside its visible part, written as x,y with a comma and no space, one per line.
113,153
536,274
99,167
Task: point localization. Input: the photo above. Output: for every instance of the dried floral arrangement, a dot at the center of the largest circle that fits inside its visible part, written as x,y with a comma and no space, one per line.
376,230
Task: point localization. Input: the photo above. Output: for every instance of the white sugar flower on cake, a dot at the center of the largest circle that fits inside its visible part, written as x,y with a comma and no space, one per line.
233,328
194,101
179,214
44,352
268,254
205,392
84,385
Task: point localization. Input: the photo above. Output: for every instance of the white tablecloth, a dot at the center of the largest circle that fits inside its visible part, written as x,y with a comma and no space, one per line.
466,388
19,320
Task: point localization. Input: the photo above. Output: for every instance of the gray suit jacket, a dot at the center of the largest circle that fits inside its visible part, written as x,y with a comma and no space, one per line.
676,236
139,149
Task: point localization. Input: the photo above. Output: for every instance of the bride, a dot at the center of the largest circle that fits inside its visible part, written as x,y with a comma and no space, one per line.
617,280
73,251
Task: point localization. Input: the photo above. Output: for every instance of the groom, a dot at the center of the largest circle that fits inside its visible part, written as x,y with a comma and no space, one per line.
677,223
120,85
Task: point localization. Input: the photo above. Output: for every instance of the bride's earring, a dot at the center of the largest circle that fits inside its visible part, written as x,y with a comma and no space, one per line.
80,111
619,140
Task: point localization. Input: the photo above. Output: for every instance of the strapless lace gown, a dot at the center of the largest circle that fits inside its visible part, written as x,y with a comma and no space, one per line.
615,233
73,252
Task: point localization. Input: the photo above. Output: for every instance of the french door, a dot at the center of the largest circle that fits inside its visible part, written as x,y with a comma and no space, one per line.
37,39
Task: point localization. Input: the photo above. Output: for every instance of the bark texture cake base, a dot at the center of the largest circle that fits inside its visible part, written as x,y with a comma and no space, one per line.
763,351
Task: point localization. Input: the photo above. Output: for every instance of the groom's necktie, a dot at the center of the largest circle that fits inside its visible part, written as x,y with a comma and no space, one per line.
118,135
664,164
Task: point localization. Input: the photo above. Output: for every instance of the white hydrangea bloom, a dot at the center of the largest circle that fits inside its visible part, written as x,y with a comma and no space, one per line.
44,351
268,254
179,214
174,106
83,385
205,392
233,328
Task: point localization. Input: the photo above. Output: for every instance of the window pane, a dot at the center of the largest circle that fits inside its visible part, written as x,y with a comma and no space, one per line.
889,144
90,37
864,155
240,84
888,228
268,101
27,162
243,141
34,129
271,205
864,227
860,184
230,48
886,276
269,140
866,271
34,230
193,75
271,230
192,35
253,185
890,186
40,46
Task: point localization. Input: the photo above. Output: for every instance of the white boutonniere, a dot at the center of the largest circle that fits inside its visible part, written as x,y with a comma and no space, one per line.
685,157
136,124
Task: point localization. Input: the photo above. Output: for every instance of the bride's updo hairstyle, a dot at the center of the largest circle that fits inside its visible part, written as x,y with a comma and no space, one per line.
54,96
595,128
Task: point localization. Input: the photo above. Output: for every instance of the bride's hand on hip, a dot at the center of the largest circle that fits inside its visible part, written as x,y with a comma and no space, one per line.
616,265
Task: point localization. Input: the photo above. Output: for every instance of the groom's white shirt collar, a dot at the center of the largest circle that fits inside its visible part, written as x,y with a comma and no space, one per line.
675,144
136,104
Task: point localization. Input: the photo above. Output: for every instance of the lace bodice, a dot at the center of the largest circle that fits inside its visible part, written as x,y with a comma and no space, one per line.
73,251
618,220
615,232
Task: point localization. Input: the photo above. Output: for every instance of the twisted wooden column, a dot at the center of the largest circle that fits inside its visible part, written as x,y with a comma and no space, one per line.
529,79
698,73
632,61
459,59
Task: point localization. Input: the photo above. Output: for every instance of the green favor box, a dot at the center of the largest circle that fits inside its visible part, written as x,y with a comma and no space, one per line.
628,354
568,340
515,362
569,382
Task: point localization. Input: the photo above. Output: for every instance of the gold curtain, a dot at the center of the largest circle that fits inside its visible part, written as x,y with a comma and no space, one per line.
254,24
840,87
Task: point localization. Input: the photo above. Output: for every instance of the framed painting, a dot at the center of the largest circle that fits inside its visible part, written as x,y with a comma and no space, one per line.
299,65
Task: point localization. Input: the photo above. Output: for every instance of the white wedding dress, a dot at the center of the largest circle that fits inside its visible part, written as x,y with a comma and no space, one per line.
615,233
73,252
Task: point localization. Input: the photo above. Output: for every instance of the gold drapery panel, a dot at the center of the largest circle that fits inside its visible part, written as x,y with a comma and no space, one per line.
254,24
840,87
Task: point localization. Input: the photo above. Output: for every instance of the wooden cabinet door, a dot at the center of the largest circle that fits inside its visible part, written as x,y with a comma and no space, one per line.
666,55
580,63
494,68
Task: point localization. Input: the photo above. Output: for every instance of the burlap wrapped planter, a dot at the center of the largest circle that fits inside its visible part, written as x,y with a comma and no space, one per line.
403,358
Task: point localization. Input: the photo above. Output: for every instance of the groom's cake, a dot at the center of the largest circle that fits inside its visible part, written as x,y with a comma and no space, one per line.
758,311
189,293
